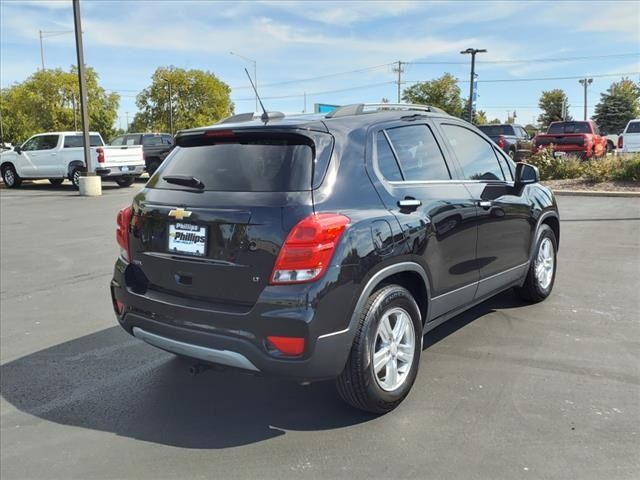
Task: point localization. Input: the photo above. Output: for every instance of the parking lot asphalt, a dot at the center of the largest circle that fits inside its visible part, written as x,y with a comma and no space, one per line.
505,391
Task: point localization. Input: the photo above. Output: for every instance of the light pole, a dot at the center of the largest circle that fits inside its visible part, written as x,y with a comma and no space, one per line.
472,52
255,72
47,34
585,82
170,105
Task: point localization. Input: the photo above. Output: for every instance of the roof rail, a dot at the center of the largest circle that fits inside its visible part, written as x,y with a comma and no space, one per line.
248,116
360,108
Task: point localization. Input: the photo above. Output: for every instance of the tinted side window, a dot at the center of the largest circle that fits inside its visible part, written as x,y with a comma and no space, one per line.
47,142
476,156
167,140
75,141
633,127
132,140
151,140
386,160
31,144
418,153
505,163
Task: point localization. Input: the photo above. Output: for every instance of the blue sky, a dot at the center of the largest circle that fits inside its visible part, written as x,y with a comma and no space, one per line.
305,43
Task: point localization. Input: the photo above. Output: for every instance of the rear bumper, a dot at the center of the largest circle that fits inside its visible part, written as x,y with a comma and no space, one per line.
116,171
207,334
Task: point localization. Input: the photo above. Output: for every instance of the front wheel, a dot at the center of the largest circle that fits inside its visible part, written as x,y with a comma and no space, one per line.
10,177
56,181
542,270
384,358
125,181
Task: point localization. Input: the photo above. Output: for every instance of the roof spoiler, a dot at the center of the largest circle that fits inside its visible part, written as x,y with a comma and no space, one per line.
361,108
249,116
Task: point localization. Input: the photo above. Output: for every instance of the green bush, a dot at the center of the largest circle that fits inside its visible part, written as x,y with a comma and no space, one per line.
628,169
619,168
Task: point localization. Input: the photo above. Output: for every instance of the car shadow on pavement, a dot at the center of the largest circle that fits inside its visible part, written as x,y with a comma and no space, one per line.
112,382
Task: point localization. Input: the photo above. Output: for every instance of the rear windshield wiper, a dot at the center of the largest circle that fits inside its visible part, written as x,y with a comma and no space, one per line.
186,180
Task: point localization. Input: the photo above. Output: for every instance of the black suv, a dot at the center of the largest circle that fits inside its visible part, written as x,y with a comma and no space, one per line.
325,246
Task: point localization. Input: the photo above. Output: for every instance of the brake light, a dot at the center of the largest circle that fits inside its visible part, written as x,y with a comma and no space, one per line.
308,249
100,154
501,141
219,133
292,346
122,232
620,141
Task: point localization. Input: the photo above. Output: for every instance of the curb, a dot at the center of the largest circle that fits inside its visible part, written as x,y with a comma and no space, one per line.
595,193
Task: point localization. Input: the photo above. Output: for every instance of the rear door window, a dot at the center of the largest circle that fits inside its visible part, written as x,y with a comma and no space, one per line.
75,141
386,160
633,127
248,163
475,155
418,153
151,140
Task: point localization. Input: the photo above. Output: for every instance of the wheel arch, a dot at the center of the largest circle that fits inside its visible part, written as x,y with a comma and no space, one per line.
7,163
552,220
74,163
409,275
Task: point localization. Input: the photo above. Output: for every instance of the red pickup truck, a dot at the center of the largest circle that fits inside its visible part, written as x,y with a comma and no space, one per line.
572,138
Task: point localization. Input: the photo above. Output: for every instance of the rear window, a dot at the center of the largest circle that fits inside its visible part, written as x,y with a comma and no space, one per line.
75,141
248,163
152,140
569,127
633,127
496,130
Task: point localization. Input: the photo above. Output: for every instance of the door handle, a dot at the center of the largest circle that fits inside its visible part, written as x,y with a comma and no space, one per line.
486,204
409,203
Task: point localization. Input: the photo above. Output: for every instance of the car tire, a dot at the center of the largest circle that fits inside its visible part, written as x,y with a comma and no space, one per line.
74,176
10,177
56,181
153,166
125,181
380,373
542,269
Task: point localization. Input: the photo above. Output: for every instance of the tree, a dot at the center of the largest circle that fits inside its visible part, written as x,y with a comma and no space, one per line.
618,105
495,121
479,116
442,92
45,102
550,103
531,129
199,98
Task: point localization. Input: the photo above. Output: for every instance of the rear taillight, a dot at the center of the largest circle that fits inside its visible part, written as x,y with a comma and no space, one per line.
501,141
122,232
100,155
308,249
620,141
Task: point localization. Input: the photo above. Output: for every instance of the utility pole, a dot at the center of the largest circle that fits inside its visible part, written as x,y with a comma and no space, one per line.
83,87
585,82
75,116
170,105
255,73
400,71
472,52
305,103
126,130
41,50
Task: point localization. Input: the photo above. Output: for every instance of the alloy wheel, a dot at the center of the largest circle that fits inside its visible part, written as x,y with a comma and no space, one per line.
545,263
393,349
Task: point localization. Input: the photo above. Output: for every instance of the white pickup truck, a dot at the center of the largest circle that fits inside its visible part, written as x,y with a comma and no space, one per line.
60,155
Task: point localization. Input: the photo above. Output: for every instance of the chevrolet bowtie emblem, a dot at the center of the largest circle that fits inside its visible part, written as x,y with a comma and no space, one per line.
179,213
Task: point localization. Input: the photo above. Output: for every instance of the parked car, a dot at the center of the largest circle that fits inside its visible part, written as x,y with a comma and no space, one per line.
325,246
629,139
155,146
575,137
60,155
513,139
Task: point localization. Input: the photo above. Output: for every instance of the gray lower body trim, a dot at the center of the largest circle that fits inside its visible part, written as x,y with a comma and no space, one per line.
222,357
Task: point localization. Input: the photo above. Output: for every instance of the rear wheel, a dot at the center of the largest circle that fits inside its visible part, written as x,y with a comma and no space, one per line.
153,166
512,154
125,181
542,270
10,177
56,181
384,358
75,175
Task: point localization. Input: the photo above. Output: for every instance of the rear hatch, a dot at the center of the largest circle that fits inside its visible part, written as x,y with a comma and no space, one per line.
122,155
210,222
494,132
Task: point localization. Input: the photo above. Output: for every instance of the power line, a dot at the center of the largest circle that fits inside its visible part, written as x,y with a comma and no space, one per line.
319,77
533,60
575,77
279,97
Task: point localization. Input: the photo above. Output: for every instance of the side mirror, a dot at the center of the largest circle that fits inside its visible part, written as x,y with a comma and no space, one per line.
526,174
17,149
